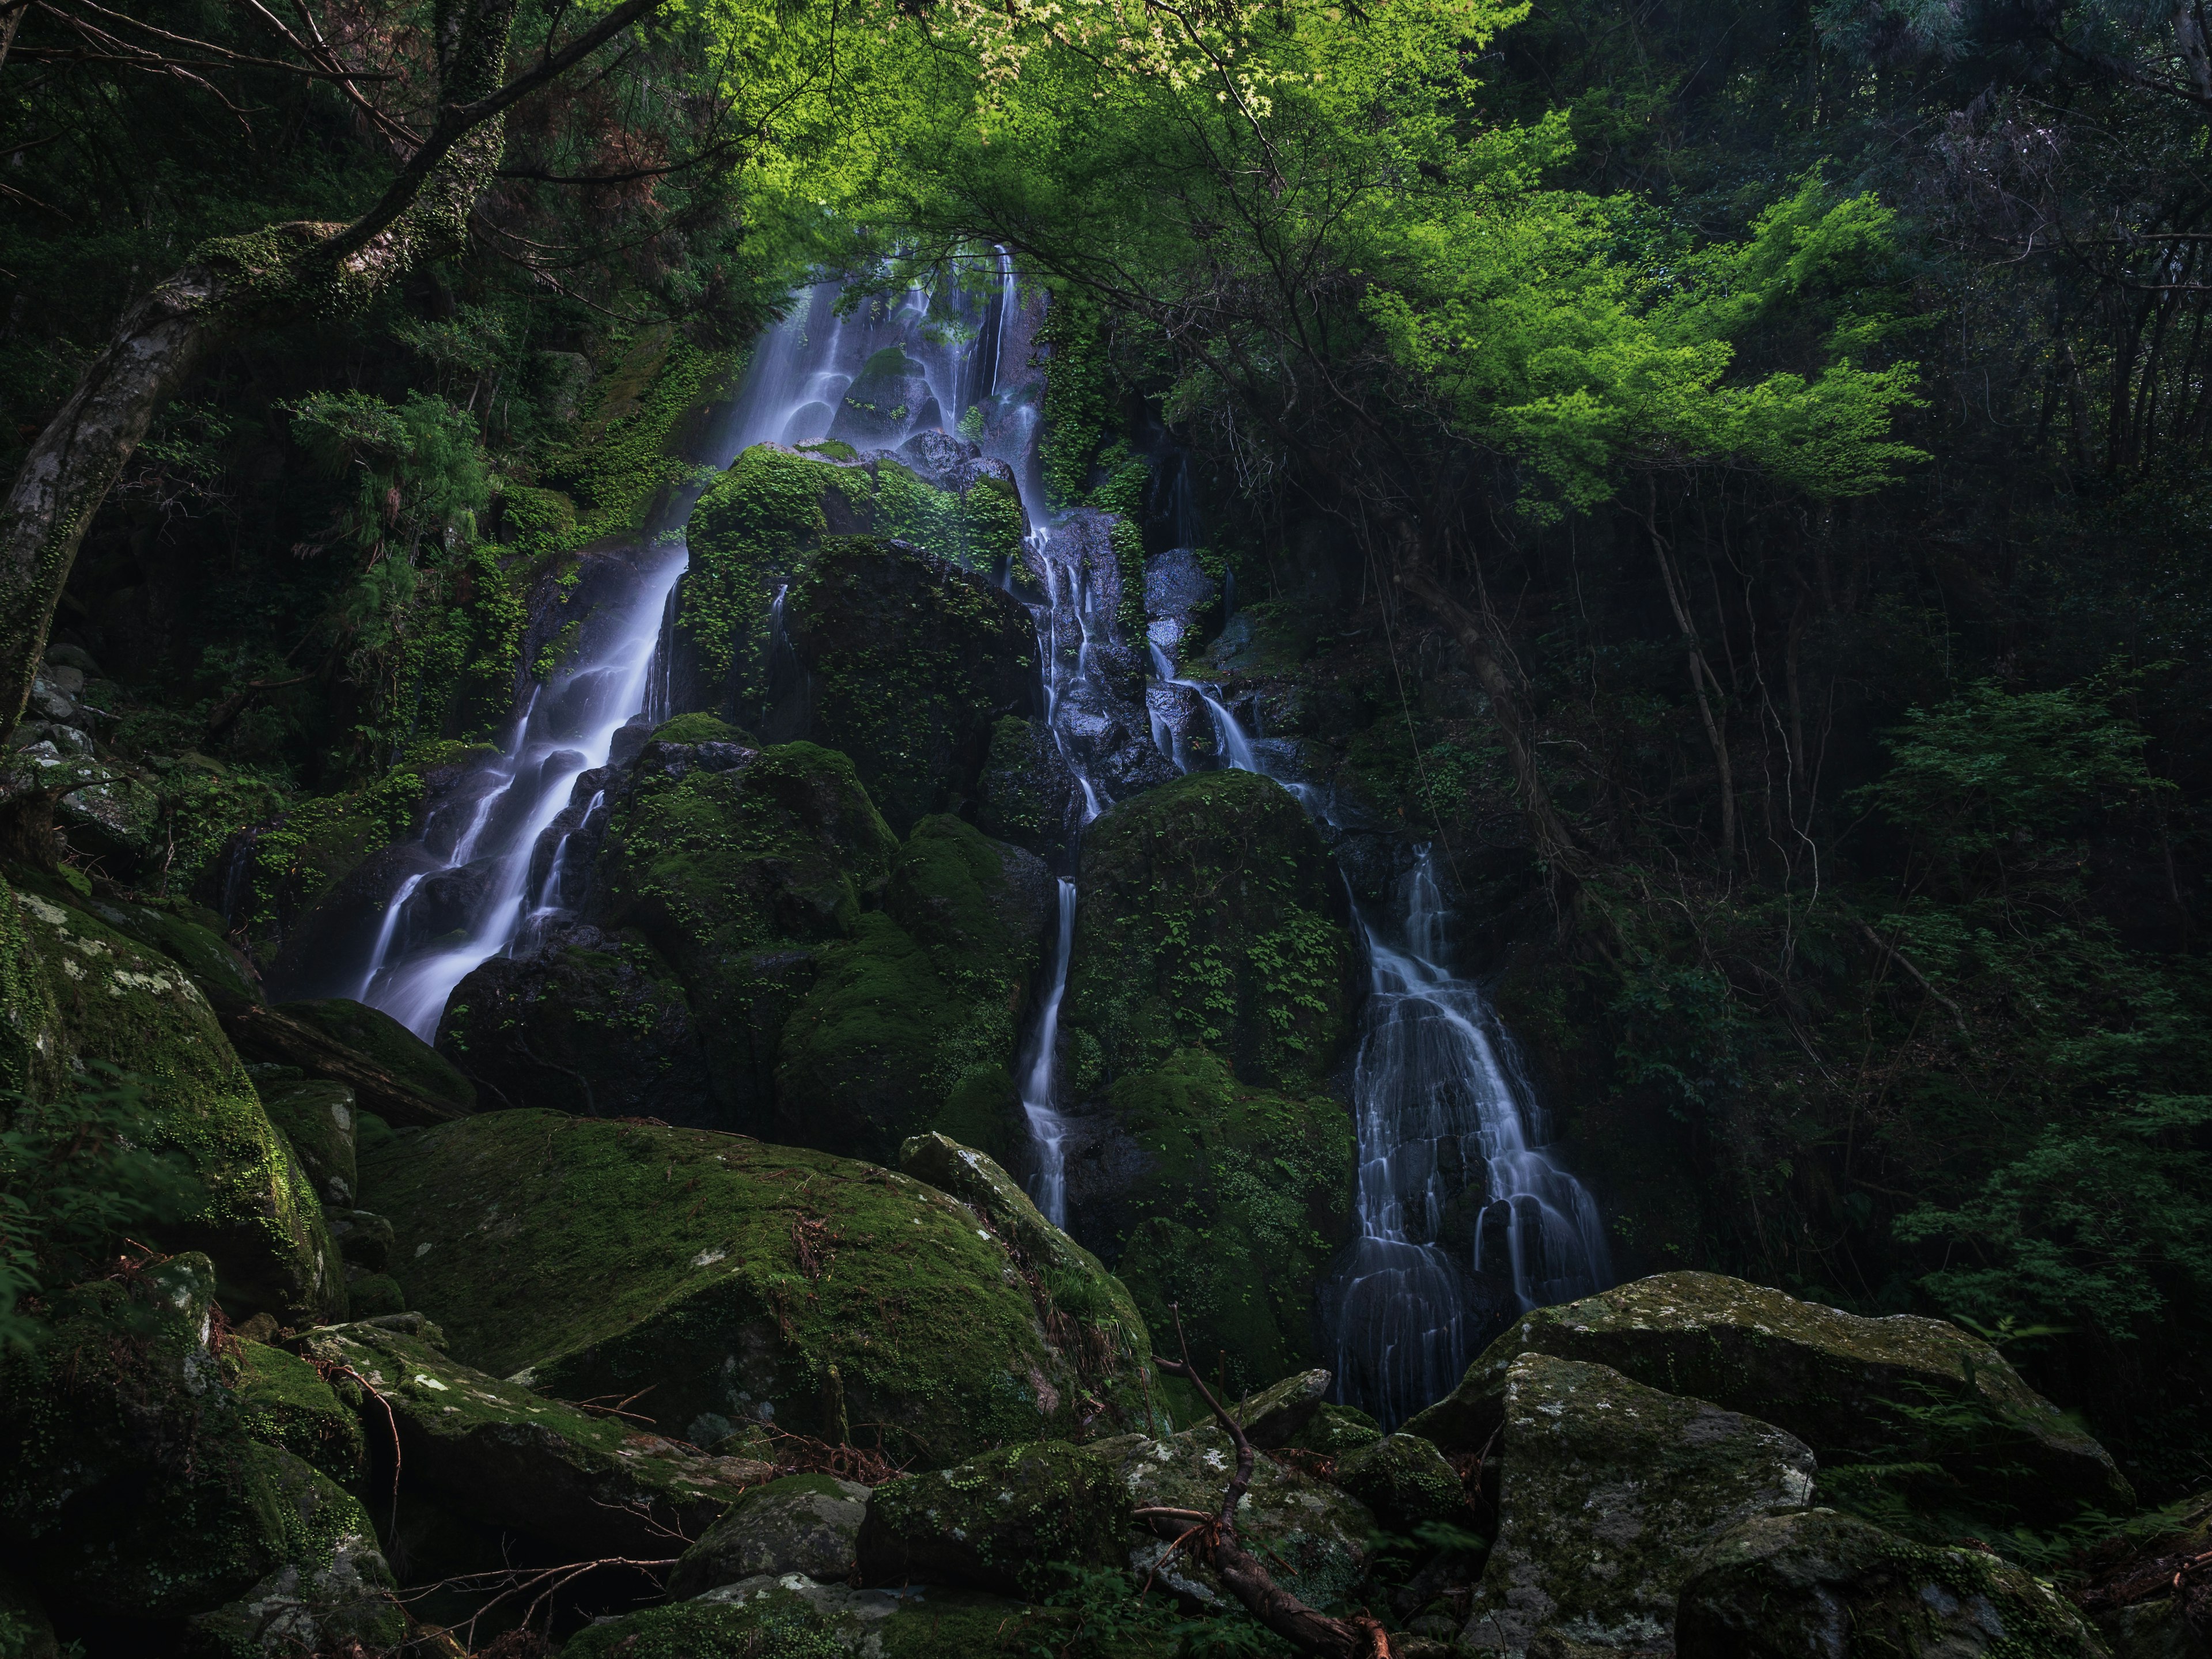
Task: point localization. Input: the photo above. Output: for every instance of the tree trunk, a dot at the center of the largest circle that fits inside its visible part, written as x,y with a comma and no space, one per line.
231,284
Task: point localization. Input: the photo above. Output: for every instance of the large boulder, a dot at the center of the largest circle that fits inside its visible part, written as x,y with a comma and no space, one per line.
135,1484
91,995
1817,1584
1854,1388
1406,1481
284,1401
1315,1539
1208,919
912,1022
884,398
910,661
736,1281
802,1524
1611,1490
1226,1200
504,1455
758,526
1027,795
994,1523
318,1119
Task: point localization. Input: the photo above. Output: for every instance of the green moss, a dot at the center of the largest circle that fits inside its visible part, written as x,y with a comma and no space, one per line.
388,1046
826,1622
628,463
317,843
913,1022
317,1119
702,728
284,1401
730,1275
113,999
1206,920
1244,1198
993,1523
711,865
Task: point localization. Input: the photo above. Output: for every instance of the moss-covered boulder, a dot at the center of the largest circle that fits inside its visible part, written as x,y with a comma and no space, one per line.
736,1281
888,392
1208,919
503,1454
1230,1204
143,1477
1854,1388
994,1523
756,529
284,1401
1611,1490
335,1594
604,1029
1278,1413
910,662
104,998
913,1021
1784,1586
391,1072
1406,1481
190,936
318,1119
1334,1431
793,1618
1314,1537
802,1523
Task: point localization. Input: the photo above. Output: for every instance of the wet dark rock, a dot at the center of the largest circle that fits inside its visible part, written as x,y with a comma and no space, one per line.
1026,794
391,1072
802,1524
1804,1586
1406,1481
990,1524
881,401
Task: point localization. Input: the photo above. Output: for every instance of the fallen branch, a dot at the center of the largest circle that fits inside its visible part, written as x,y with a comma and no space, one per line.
1243,1574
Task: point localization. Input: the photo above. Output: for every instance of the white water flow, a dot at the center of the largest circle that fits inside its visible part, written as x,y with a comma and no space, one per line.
1048,1128
789,393
1437,1096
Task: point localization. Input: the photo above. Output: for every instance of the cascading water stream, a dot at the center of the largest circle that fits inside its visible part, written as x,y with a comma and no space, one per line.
790,393
1433,1092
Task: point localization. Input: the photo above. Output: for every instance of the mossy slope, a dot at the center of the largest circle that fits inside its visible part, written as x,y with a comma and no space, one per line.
734,1280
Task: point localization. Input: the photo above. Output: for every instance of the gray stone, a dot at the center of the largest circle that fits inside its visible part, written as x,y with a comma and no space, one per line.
1817,1585
1277,1414
994,1523
802,1523
1407,1482
1611,1494
1314,1537
1832,1378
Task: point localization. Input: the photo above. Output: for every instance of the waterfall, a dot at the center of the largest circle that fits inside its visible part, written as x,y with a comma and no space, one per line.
1048,1128
1435,1093
790,390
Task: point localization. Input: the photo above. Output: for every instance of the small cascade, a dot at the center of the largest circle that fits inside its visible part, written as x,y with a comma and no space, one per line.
1437,1097
1048,1128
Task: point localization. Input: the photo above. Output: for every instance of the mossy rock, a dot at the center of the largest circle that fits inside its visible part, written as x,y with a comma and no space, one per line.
333,1593
1406,1481
703,727
887,393
1853,1387
1335,1431
994,1523
107,997
1611,1490
1239,1199
790,1618
365,1239
1208,919
388,1046
135,1486
282,1400
735,867
912,1022
190,936
1314,1537
606,1031
318,1119
756,529
502,1454
1782,1586
1026,794
910,663
733,1279
802,1523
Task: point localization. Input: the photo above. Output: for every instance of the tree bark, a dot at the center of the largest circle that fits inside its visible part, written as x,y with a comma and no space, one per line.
234,283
